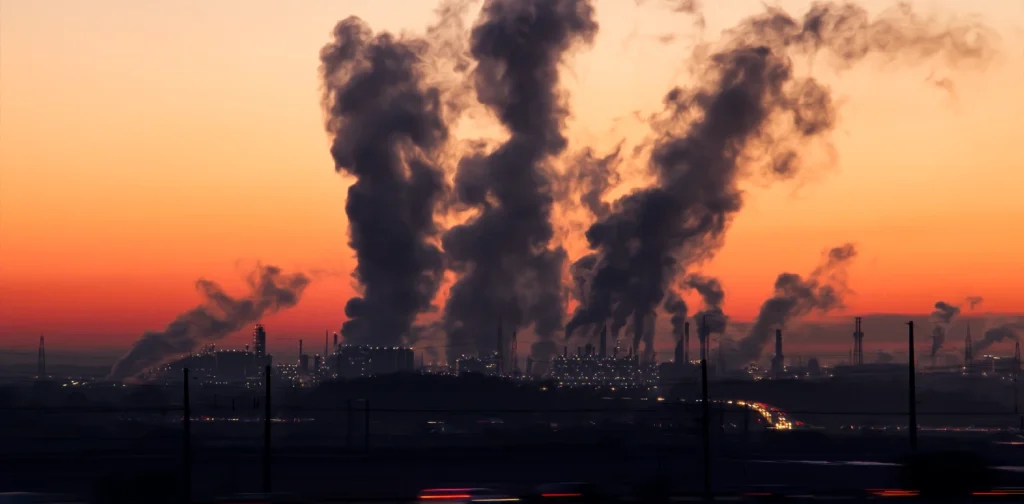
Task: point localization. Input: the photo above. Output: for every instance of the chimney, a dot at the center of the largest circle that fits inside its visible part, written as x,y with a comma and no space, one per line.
603,350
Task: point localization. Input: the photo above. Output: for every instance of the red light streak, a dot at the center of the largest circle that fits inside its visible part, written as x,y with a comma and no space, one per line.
445,496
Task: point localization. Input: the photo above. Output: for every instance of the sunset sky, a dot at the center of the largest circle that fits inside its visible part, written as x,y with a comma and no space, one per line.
148,144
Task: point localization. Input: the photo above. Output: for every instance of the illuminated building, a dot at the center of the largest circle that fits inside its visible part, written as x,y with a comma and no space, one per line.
353,361
259,341
487,365
589,369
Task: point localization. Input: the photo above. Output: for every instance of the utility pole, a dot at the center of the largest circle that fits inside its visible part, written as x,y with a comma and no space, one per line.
913,390
266,432
186,421
707,413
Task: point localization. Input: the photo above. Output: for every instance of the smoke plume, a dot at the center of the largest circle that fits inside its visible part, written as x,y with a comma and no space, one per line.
974,301
591,176
677,310
942,317
387,127
748,113
711,317
1010,331
822,290
507,267
218,316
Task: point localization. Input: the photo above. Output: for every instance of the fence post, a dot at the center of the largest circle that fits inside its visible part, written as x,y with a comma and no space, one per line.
913,391
746,443
266,431
186,421
707,426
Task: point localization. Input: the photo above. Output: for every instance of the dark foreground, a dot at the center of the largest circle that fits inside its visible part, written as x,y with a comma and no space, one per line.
396,475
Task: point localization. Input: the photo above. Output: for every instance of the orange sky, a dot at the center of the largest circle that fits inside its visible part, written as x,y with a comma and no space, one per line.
147,144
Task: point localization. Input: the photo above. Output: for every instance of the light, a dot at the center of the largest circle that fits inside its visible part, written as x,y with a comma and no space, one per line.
558,495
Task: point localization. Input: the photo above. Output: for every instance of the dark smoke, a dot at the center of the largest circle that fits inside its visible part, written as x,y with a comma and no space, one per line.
944,312
677,310
883,357
749,113
387,127
974,301
591,176
1010,331
711,293
942,317
822,290
503,255
218,316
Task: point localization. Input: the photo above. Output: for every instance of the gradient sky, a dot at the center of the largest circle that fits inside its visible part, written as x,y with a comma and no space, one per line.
148,144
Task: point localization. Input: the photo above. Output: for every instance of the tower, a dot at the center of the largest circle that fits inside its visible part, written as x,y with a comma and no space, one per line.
858,343
968,354
778,360
259,341
602,352
680,355
326,333
41,363
335,342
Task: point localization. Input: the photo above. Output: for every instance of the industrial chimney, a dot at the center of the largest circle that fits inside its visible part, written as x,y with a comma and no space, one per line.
778,360
858,343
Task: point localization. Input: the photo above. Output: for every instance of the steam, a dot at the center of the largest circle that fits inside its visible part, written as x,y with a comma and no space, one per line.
943,317
822,290
1010,331
712,294
387,128
974,301
677,310
748,114
218,316
503,255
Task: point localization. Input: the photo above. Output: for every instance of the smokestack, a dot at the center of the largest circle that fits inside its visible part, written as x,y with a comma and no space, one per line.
603,351
858,342
327,333
335,341
778,360
300,349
